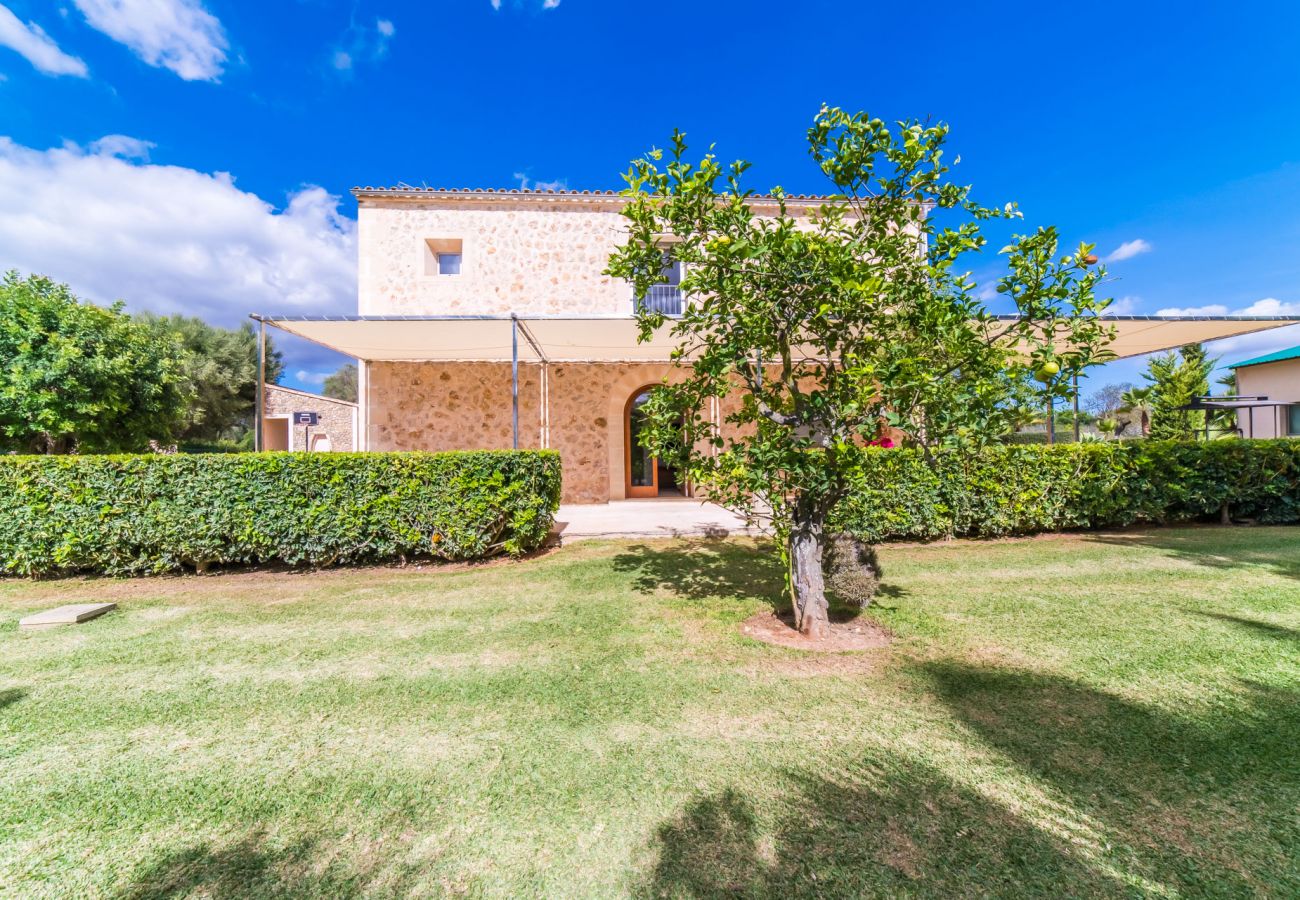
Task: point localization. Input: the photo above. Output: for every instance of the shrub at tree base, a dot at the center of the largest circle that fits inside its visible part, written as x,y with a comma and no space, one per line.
1022,490
125,515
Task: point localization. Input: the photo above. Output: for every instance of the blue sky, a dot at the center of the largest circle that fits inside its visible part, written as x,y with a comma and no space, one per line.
195,155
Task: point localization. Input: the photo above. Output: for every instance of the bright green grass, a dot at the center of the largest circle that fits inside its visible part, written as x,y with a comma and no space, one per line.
1080,716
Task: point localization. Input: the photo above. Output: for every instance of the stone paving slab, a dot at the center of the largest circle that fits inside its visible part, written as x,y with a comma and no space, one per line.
677,517
72,614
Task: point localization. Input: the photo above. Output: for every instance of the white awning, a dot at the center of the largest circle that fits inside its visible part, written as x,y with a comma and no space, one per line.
614,339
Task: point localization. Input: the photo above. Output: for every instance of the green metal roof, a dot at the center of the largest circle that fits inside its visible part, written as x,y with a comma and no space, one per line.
1293,353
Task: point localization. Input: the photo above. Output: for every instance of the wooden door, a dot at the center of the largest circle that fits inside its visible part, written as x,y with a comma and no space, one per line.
642,467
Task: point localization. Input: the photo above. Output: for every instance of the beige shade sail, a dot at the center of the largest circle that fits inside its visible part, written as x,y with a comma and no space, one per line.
614,339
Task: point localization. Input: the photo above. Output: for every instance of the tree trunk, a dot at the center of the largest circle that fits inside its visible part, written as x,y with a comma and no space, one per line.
807,580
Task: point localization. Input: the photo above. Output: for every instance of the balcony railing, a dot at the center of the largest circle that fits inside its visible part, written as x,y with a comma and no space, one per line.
663,298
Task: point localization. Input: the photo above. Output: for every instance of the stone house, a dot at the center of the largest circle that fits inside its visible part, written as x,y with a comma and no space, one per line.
335,428
485,320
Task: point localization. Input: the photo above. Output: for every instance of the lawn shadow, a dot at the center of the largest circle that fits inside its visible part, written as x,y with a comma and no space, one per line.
1262,629
860,832
1217,547
1189,793
702,569
10,696
1135,800
249,867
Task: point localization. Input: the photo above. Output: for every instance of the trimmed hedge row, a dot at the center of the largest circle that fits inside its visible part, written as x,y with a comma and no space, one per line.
1025,489
125,515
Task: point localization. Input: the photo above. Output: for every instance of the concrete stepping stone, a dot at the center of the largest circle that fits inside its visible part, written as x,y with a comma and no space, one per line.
72,614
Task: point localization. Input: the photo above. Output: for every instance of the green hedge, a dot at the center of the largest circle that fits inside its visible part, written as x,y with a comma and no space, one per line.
1026,489
126,515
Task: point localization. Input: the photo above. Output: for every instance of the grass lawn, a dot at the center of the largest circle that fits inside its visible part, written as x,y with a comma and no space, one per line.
1083,715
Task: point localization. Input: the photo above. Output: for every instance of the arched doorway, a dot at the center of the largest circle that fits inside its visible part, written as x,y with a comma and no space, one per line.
647,475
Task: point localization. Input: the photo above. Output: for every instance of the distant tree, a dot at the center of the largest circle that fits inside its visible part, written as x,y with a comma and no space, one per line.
1176,379
221,372
80,377
1137,401
839,329
1107,400
342,385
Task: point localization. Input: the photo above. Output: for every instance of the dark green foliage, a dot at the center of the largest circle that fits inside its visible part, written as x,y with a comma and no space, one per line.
125,515
1176,380
843,324
342,385
220,371
79,377
852,570
1022,490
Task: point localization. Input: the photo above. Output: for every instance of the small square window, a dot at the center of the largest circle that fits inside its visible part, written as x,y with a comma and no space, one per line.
442,256
1293,420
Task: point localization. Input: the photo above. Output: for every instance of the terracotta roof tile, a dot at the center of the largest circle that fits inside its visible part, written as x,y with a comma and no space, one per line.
406,189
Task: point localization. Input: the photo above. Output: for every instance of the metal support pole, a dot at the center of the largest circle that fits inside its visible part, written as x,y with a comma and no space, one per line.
1076,407
259,411
514,380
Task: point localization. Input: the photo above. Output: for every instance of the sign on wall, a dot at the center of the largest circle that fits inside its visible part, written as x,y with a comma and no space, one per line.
306,418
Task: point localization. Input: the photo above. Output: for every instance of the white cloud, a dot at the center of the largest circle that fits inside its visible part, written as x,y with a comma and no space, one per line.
123,146
1235,349
37,47
526,185
1128,250
306,377
522,4
1214,309
1123,306
174,34
171,239
368,43
1270,306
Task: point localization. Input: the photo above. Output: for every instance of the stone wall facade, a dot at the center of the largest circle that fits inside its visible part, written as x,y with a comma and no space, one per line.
337,418
467,406
522,257
529,254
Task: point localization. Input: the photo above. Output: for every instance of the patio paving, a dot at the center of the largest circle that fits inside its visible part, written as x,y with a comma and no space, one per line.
664,517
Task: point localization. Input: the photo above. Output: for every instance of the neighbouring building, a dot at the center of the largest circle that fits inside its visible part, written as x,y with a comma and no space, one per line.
486,321
1273,383
335,428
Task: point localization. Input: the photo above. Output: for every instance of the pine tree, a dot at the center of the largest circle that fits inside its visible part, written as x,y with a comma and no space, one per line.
1177,378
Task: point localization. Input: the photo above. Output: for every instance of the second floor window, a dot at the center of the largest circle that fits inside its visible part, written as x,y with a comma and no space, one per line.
665,297
442,256
448,263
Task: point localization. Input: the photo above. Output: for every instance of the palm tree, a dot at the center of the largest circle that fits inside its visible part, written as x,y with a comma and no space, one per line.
1138,400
